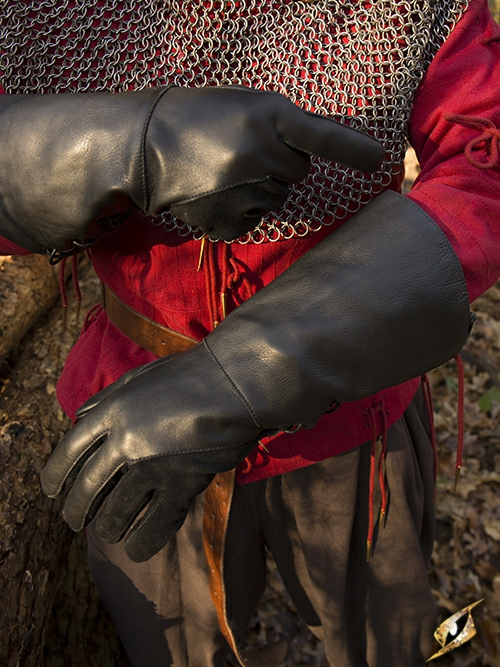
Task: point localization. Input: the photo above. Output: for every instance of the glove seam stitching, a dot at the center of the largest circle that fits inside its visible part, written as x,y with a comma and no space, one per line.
223,188
145,520
145,128
448,250
241,396
180,452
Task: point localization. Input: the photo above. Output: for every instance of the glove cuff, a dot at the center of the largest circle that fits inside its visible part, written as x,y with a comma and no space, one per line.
382,300
67,160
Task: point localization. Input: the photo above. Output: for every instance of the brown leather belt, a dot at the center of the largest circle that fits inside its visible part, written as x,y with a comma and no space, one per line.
219,495
141,330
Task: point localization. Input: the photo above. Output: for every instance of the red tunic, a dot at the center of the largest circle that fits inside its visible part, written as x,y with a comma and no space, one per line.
155,271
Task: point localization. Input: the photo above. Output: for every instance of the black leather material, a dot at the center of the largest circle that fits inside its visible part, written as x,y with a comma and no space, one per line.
64,158
220,157
381,300
229,153
157,436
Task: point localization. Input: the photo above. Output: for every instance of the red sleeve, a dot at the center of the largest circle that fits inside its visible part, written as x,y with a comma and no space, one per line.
454,130
7,247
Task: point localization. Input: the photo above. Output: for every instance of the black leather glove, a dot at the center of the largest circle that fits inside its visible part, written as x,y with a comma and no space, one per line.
219,157
381,300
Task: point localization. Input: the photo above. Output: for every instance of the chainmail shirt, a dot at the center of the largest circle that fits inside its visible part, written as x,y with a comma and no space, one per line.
359,62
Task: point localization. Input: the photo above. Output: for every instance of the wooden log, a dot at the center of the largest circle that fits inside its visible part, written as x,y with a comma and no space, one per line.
50,612
28,288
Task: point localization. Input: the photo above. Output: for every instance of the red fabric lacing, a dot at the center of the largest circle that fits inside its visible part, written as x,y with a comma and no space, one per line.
491,40
377,409
460,417
62,289
209,263
426,388
236,276
487,142
382,439
231,274
76,287
91,315
224,279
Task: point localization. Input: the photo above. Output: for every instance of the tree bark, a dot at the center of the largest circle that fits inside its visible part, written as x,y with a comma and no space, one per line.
28,288
50,614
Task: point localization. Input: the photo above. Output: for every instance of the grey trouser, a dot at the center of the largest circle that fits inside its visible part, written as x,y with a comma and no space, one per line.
314,520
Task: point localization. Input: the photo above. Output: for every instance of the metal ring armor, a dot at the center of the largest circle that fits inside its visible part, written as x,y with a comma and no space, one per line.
359,63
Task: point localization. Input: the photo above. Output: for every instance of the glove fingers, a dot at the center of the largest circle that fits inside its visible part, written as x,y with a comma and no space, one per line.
70,455
166,513
123,505
282,162
321,136
99,475
152,532
231,213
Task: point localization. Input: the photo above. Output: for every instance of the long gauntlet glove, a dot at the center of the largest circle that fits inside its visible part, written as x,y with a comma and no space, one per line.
219,157
381,300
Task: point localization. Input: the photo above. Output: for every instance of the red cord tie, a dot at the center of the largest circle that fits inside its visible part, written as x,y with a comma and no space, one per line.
62,290
76,287
238,276
381,475
426,388
460,416
214,259
487,143
491,40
